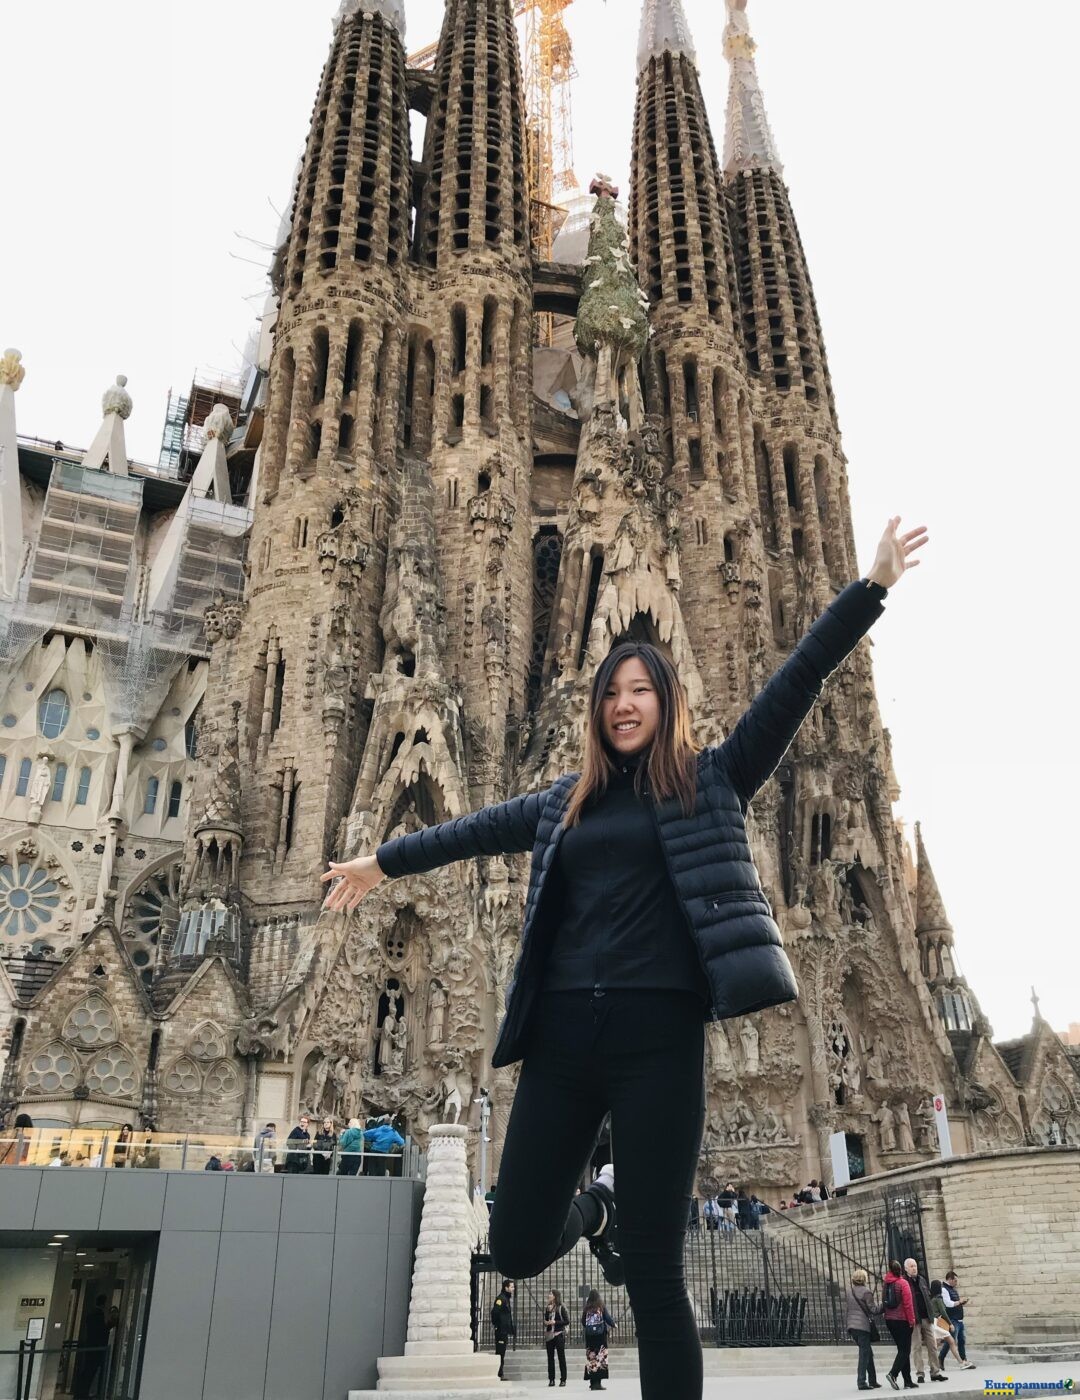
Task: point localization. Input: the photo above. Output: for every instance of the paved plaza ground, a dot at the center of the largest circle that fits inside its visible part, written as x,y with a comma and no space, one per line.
811,1387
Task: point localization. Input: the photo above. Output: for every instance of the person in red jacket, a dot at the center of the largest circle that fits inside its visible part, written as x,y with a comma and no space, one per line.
900,1320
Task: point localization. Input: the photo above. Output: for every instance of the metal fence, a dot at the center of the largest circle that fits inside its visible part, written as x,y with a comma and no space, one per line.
780,1285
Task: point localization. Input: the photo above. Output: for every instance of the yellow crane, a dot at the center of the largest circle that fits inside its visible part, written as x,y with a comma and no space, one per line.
549,72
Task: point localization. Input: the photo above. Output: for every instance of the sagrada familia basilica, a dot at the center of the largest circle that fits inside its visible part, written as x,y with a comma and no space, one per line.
368,590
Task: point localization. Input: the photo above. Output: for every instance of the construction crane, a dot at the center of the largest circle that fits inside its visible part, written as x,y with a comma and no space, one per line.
549,72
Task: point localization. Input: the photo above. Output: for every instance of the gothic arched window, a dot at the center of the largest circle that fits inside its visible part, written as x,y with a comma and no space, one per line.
54,711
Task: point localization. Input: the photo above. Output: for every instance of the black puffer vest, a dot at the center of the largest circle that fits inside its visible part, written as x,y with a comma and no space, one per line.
707,853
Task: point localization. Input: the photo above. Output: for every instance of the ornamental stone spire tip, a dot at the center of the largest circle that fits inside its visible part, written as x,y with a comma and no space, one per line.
116,398
12,369
391,10
930,915
748,140
664,30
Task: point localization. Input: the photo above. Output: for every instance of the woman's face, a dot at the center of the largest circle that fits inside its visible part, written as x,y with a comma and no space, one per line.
328,1125
630,708
551,1300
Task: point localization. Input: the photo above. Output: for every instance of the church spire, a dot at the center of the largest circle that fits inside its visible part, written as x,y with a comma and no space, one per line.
393,11
748,140
930,907
474,196
664,30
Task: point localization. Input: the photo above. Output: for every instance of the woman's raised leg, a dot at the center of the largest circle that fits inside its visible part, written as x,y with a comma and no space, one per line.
553,1126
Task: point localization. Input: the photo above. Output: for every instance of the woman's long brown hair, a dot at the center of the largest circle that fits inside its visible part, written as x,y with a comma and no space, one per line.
672,759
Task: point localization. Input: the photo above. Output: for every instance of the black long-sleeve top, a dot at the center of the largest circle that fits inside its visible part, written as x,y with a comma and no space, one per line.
616,919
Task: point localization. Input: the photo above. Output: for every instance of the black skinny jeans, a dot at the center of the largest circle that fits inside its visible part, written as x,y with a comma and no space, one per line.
867,1375
639,1054
901,1335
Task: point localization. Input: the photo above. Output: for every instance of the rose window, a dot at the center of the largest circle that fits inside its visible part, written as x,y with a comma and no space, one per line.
53,1070
113,1074
91,1023
207,1043
221,1081
183,1078
151,908
28,898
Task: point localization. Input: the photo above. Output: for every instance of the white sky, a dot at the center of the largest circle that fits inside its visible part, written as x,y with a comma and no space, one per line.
929,150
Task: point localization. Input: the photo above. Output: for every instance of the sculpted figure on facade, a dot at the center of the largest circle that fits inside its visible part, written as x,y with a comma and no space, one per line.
386,1041
886,1121
875,1064
436,1019
905,1140
40,786
751,1045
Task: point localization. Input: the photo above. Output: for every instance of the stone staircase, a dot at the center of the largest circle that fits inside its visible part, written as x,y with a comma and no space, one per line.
1020,1353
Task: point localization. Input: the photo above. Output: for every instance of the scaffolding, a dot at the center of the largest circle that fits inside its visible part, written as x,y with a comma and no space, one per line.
81,570
82,577
211,566
185,417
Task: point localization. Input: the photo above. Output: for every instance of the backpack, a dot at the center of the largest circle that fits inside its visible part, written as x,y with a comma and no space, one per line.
890,1298
595,1332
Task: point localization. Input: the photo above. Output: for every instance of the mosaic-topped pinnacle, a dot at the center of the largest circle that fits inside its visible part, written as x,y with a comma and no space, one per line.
664,30
748,140
391,10
12,369
219,423
116,398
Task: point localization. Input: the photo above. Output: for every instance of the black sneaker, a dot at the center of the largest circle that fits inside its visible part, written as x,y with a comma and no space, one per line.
604,1246
892,1380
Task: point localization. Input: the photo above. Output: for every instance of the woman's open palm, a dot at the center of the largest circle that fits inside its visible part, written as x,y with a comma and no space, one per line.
894,553
356,878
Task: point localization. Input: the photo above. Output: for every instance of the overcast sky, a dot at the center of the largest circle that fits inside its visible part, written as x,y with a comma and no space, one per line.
929,150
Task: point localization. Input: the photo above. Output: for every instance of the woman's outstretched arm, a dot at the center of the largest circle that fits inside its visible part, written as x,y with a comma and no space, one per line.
763,735
507,828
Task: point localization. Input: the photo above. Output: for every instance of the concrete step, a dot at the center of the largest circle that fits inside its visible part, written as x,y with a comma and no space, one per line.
1033,1352
719,1362
444,1392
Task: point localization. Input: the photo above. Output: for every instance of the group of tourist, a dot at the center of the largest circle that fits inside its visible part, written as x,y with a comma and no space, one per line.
811,1194
924,1320
596,1323
730,1209
316,1152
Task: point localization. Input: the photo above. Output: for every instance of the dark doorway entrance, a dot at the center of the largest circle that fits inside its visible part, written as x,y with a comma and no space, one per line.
99,1320
856,1156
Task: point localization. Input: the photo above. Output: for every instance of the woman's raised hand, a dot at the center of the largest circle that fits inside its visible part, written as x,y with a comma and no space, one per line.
356,878
894,553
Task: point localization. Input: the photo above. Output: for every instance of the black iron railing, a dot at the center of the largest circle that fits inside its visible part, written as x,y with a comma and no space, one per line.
782,1284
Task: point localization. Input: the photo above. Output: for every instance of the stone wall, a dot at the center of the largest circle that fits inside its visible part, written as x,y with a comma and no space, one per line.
1007,1222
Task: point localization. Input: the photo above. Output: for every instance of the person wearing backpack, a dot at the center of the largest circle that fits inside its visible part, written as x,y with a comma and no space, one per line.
597,1322
898,1310
556,1323
861,1310
502,1320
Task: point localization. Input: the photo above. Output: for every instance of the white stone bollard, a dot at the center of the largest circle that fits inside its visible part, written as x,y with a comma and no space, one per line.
439,1357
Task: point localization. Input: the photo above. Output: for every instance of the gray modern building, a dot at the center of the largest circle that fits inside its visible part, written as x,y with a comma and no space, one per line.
208,1285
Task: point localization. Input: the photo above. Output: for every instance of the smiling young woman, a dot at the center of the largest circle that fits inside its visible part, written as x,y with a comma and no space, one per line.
644,919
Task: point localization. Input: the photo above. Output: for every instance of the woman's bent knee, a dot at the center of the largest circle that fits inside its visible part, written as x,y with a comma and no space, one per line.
515,1256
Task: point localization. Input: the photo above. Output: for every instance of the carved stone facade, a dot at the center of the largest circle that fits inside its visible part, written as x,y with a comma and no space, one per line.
451,528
